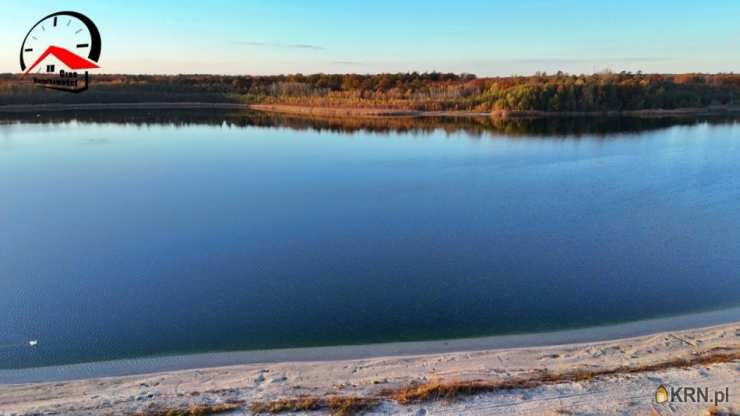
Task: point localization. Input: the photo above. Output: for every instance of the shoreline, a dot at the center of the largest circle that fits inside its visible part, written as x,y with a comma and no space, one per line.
205,360
26,108
618,376
496,114
369,112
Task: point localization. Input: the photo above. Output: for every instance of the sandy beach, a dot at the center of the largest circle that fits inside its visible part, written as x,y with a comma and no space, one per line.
603,377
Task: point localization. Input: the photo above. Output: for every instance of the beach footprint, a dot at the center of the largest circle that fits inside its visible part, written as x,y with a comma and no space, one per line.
260,378
278,379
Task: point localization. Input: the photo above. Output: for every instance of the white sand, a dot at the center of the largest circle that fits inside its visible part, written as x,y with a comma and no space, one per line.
619,394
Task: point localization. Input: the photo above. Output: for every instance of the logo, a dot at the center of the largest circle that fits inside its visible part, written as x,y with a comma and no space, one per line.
58,46
661,395
691,394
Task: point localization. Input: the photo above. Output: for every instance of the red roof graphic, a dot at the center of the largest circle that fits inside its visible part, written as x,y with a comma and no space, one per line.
72,60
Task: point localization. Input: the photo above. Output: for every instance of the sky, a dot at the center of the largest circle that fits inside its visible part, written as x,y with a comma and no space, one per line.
484,37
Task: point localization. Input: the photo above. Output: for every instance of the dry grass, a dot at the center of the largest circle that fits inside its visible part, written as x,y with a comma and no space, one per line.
333,111
716,411
451,390
194,410
338,405
300,404
349,405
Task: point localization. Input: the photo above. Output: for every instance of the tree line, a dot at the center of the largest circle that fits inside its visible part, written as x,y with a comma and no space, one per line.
430,91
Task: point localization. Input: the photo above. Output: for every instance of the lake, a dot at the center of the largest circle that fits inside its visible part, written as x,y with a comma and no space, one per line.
128,234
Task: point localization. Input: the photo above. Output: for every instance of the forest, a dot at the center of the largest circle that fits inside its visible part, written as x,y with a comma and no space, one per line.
430,91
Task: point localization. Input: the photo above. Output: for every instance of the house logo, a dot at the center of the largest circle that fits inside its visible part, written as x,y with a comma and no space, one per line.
57,47
661,394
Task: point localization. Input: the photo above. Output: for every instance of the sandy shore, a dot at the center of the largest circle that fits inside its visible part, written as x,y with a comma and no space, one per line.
631,368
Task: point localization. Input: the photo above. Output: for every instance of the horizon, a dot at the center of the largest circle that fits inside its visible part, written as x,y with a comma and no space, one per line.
605,71
261,38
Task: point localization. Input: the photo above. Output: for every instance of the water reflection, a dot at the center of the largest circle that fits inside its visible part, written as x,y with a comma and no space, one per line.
479,127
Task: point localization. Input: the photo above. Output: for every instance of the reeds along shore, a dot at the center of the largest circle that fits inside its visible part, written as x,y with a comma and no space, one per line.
714,110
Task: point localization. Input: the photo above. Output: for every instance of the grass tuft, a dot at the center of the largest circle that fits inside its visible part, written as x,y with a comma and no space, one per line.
338,405
299,404
194,410
350,405
716,411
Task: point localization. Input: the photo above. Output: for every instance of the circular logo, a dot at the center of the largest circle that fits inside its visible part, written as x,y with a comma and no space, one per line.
68,39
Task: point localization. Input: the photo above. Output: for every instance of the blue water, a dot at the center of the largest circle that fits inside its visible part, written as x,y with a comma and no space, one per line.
121,240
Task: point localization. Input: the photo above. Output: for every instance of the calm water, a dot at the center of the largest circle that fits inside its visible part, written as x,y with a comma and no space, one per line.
158,234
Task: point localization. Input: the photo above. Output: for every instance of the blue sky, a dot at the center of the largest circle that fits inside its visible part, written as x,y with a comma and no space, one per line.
482,37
